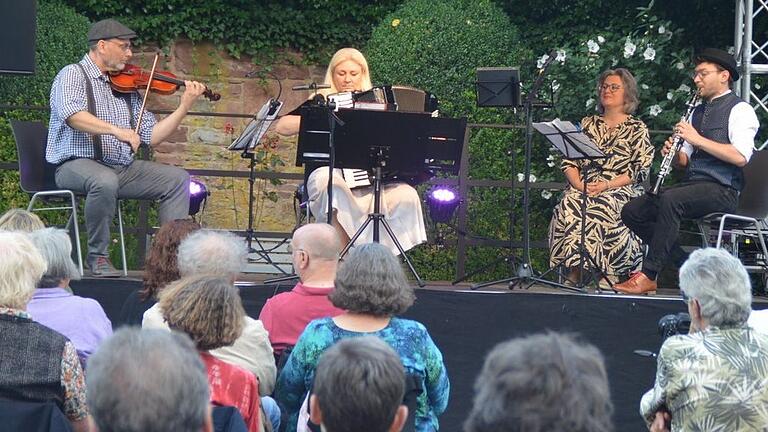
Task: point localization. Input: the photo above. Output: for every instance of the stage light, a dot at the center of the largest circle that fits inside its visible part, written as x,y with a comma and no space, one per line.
442,202
197,195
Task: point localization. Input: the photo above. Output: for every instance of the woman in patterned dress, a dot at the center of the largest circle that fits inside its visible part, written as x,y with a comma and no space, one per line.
612,182
371,287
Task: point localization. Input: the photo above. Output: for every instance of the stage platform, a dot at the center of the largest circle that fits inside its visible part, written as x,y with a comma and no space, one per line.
467,324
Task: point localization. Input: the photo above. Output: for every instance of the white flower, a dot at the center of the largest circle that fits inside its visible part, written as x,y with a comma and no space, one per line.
757,86
593,46
520,177
532,178
555,86
550,164
560,56
590,102
662,30
551,157
601,39
684,88
679,65
669,95
629,48
644,86
654,110
540,62
649,54
731,50
546,194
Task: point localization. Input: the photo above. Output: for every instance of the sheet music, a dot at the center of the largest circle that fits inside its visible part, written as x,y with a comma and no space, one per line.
567,137
356,178
258,126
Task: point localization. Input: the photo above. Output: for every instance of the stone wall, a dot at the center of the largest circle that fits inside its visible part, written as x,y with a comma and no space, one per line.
201,141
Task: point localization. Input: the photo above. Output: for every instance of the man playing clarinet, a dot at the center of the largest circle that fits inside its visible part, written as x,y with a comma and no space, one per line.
718,142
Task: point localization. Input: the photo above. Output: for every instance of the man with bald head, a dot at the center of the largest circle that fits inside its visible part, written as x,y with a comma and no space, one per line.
315,252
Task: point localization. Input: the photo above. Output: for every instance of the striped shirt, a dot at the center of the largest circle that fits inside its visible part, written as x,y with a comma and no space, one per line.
69,96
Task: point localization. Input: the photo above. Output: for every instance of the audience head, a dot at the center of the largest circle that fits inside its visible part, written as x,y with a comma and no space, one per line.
147,381
56,248
542,383
371,281
316,249
21,267
717,286
161,266
359,386
628,90
343,61
207,308
20,220
212,252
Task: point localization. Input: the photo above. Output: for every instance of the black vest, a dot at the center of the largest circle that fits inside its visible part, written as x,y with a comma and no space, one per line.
30,361
711,120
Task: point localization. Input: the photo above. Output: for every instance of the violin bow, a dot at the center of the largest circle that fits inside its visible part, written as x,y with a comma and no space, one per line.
146,93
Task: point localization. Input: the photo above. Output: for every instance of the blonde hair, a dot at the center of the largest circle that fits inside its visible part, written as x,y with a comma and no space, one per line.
20,220
21,267
341,56
206,307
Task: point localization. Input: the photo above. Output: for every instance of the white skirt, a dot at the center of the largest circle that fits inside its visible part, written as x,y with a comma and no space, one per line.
400,204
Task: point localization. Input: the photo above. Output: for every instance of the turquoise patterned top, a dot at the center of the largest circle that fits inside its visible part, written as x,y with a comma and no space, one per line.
409,339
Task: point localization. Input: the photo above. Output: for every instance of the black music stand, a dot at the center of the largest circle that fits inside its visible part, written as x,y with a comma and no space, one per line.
246,143
398,142
498,87
573,144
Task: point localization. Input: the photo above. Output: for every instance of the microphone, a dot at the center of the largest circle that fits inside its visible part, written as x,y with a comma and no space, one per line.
313,86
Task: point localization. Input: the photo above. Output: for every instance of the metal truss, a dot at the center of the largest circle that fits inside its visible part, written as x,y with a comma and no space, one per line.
751,51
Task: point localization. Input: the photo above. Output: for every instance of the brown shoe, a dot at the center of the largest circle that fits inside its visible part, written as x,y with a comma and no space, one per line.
638,284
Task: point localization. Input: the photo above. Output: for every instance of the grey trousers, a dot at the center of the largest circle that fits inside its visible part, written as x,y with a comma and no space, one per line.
103,185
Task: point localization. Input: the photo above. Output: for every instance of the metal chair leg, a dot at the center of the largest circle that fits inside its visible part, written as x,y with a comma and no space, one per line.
122,236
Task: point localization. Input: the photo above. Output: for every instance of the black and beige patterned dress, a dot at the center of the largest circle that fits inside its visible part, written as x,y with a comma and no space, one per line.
613,246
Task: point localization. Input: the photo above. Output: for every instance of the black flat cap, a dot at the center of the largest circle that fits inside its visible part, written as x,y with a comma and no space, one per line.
720,57
109,29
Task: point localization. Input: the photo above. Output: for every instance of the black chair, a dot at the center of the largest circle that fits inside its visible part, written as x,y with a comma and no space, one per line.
748,219
37,178
18,416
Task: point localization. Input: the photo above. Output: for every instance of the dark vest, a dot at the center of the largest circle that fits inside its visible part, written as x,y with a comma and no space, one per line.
711,120
30,361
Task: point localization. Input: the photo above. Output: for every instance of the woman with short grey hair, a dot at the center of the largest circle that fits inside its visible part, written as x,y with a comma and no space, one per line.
371,286
39,364
80,319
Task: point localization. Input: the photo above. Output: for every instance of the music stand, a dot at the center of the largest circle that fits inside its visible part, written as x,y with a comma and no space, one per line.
573,144
498,87
401,142
247,142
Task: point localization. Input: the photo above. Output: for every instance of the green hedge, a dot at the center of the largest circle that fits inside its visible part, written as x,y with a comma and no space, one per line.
252,27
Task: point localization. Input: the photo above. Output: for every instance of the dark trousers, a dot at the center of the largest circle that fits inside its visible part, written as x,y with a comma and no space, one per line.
656,219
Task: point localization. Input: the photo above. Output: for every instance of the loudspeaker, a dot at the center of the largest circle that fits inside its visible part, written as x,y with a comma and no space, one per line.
17,33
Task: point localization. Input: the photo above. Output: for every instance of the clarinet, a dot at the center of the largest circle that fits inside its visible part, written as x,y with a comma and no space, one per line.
666,164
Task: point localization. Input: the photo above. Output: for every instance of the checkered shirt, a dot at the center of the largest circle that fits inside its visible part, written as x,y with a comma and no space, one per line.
69,96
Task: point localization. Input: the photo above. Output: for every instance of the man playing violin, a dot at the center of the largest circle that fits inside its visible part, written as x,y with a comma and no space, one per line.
717,143
93,142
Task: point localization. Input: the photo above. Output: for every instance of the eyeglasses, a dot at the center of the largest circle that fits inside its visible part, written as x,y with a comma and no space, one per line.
702,73
124,46
612,87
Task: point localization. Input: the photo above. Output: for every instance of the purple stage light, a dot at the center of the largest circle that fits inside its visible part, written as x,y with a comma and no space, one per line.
197,195
442,202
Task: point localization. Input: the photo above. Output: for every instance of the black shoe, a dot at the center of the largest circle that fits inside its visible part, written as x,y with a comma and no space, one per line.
101,267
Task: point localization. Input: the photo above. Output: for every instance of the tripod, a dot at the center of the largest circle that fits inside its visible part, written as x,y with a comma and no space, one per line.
377,217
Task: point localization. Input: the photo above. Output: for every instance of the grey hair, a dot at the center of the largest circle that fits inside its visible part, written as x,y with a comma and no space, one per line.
721,285
539,383
20,220
212,252
359,385
147,381
631,94
21,266
319,240
370,280
56,248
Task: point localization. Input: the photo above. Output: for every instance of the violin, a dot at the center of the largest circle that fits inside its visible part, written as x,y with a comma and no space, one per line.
133,77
